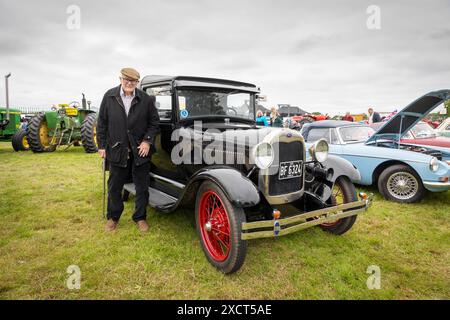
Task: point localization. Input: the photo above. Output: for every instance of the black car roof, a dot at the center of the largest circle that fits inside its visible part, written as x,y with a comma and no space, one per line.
328,124
159,78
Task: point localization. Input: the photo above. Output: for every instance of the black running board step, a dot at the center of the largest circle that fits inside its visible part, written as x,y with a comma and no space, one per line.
156,197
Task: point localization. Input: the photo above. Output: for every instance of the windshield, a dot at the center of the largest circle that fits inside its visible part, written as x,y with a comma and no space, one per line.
355,133
422,130
215,102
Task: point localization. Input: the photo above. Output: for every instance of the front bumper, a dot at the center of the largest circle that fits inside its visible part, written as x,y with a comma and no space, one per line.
436,186
281,227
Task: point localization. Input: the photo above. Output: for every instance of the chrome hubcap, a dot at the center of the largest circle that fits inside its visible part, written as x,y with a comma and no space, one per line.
402,185
208,226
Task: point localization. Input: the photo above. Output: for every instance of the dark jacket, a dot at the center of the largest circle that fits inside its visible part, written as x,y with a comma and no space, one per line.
376,117
277,122
116,133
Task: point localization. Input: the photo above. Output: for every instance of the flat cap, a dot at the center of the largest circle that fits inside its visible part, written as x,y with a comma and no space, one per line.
130,73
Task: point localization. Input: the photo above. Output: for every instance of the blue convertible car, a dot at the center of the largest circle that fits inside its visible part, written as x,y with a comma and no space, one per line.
402,172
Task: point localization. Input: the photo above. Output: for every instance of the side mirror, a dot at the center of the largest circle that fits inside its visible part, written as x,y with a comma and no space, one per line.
261,98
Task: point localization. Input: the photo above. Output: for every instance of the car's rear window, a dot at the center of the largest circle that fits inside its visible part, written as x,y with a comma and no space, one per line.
319,133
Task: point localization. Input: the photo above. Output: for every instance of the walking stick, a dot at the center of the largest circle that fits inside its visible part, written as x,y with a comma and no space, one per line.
104,188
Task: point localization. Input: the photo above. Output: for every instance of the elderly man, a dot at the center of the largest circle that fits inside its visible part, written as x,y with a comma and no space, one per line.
126,129
373,116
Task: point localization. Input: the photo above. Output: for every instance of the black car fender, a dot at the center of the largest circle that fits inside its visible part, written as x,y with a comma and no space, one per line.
239,189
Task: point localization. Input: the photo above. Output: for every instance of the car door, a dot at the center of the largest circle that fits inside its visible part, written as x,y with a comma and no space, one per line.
166,176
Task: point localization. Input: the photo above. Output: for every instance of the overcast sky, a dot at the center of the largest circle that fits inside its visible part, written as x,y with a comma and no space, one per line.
319,55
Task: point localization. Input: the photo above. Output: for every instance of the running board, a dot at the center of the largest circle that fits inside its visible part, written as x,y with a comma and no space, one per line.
156,199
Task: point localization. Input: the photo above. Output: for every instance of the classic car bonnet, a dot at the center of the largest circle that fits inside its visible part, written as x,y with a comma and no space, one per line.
249,137
404,120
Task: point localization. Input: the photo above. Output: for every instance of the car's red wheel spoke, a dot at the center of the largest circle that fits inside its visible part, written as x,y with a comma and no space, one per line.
222,232
219,239
215,226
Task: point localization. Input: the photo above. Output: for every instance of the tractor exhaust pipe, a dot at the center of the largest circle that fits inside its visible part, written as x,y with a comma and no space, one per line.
7,96
83,102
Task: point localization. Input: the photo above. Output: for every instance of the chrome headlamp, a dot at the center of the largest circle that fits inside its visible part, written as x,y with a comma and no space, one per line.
263,155
434,164
319,150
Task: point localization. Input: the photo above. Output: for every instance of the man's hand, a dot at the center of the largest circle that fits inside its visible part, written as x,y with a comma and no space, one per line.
144,148
102,153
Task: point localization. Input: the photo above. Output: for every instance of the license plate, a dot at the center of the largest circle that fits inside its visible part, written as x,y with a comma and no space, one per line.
290,169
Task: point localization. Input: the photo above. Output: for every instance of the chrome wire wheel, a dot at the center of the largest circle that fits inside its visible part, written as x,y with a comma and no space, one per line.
402,185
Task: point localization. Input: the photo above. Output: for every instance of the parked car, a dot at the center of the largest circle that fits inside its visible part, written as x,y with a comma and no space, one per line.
260,186
402,172
444,128
433,124
422,134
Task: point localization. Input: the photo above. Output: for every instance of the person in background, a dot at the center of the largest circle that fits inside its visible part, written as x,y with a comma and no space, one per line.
374,117
23,123
261,119
275,119
348,117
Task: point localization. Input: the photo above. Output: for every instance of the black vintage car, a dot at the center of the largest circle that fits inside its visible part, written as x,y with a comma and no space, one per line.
244,181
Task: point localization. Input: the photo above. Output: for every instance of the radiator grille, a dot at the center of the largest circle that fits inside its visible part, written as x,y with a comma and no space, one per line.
291,151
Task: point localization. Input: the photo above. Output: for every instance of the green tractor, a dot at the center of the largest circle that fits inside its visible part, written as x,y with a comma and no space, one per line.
11,129
11,125
67,125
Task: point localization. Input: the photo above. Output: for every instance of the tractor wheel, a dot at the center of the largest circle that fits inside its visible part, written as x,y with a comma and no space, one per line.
38,137
89,133
343,192
19,141
219,227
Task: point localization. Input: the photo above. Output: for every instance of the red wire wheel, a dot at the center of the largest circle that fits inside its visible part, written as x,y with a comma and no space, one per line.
219,225
215,232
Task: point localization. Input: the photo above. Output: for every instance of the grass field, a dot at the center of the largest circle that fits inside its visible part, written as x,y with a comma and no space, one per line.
50,218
